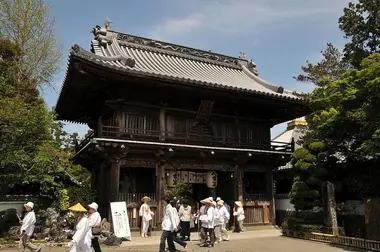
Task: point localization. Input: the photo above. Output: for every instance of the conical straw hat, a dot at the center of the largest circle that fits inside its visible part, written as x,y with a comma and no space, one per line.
238,203
145,198
206,201
77,208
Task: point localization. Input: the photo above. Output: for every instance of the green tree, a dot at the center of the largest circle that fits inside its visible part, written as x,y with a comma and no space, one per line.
332,66
361,25
30,26
344,134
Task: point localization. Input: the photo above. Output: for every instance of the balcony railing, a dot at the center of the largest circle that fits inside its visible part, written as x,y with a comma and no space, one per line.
114,132
189,138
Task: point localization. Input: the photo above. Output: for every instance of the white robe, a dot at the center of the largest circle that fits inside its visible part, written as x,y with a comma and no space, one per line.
94,220
28,223
224,215
81,241
146,215
240,214
210,217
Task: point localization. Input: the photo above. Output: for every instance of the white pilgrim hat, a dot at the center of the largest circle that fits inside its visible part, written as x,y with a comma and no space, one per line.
29,204
94,206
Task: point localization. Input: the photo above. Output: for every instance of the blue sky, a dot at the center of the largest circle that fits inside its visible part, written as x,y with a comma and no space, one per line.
279,35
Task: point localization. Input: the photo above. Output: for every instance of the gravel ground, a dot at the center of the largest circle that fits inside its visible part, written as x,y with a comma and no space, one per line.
261,240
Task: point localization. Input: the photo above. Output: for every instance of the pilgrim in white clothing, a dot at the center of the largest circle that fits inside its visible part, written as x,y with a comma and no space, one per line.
80,241
224,217
146,216
27,229
168,226
239,214
94,221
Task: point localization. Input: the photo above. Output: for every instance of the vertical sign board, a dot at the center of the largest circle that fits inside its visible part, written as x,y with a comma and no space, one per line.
120,220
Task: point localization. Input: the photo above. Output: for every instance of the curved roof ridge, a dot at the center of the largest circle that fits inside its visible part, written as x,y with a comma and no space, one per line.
126,61
262,82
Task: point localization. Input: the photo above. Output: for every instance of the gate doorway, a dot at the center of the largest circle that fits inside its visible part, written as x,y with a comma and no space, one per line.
200,192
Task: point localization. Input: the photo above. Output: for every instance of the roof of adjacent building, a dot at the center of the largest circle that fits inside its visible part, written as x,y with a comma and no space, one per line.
140,56
295,130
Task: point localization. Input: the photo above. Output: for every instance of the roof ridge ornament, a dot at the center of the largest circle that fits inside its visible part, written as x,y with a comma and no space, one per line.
107,23
242,55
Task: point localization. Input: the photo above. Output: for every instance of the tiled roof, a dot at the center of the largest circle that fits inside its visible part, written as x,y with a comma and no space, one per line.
141,56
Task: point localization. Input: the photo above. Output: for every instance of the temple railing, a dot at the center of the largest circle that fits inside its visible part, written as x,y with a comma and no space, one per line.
135,198
255,197
188,138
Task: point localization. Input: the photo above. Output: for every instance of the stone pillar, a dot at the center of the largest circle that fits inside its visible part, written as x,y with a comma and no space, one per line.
332,207
270,192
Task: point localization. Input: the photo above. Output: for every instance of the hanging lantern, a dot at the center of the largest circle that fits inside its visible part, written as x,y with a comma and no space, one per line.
212,179
170,178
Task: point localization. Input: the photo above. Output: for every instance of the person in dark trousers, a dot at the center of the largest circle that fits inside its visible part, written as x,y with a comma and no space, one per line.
168,226
94,221
177,224
184,213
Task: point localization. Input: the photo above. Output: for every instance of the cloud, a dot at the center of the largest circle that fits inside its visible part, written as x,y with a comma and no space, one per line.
239,17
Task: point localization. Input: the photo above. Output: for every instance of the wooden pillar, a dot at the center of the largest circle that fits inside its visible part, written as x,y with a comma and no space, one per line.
102,190
160,185
237,124
162,119
99,128
239,183
94,176
270,192
114,179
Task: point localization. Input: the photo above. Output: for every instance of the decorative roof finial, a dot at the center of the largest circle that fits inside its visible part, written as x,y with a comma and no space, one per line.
242,55
107,23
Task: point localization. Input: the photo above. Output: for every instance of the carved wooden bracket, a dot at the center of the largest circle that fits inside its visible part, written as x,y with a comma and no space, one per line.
204,111
242,159
114,104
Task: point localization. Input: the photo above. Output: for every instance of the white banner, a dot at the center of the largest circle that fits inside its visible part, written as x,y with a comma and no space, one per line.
120,220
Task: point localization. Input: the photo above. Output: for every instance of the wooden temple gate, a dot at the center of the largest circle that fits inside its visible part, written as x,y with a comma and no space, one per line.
166,107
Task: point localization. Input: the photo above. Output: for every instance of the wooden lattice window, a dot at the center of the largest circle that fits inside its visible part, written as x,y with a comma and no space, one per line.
141,124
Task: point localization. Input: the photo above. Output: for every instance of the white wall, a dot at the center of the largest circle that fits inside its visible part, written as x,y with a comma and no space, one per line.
284,204
354,207
18,205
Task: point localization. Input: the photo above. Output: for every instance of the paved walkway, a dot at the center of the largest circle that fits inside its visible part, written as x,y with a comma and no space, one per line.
261,240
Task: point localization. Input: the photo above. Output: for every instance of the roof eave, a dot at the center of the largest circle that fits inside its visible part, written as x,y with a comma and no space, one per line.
87,59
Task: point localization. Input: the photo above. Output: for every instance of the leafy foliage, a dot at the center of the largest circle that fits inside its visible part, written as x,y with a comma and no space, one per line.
344,126
33,154
361,25
181,191
331,67
344,135
29,25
